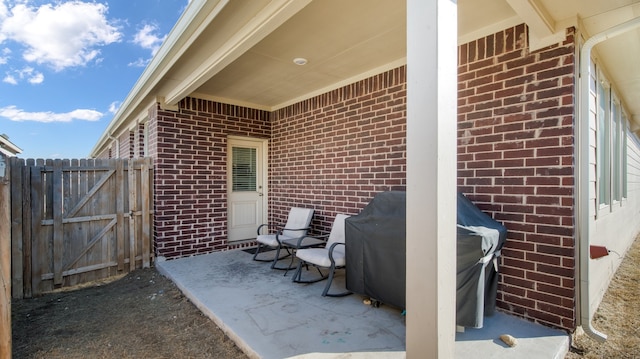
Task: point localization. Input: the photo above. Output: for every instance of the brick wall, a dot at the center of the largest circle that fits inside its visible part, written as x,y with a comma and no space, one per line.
130,144
515,161
152,114
125,145
103,154
334,152
131,152
139,141
190,153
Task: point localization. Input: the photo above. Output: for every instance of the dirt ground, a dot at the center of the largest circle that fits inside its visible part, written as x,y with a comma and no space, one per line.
141,315
618,315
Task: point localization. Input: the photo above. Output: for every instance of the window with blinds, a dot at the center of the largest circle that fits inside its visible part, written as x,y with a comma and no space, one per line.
244,169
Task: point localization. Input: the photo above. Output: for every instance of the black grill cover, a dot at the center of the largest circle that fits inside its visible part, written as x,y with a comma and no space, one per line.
375,243
480,239
376,255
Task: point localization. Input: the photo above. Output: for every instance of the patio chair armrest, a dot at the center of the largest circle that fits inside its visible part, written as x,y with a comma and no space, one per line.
268,225
333,246
323,237
319,240
295,229
281,230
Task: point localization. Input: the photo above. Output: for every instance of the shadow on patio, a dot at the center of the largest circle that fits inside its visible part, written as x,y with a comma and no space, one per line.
269,316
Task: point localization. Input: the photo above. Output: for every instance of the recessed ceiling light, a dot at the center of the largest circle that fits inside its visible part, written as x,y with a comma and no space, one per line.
300,61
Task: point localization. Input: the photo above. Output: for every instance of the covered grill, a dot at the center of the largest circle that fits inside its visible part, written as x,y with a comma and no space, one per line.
479,241
376,255
375,243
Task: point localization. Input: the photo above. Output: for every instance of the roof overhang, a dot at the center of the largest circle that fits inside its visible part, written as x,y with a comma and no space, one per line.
242,52
7,147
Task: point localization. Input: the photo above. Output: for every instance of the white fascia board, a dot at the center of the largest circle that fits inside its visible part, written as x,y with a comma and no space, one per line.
196,17
9,146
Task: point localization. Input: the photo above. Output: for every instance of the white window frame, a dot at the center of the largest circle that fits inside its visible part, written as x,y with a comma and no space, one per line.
612,127
616,149
603,154
624,169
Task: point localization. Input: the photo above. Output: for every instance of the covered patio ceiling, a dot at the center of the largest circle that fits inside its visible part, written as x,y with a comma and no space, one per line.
242,52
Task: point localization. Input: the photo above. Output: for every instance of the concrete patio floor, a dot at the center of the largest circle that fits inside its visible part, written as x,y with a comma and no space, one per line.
269,316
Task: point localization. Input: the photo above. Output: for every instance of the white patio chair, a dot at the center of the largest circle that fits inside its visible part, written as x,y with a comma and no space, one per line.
332,256
296,228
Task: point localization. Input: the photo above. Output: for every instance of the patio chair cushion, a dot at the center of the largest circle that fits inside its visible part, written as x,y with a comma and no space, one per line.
296,227
320,256
297,222
337,232
270,239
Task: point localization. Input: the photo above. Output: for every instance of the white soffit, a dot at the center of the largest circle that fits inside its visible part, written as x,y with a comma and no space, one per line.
343,40
269,18
242,52
340,40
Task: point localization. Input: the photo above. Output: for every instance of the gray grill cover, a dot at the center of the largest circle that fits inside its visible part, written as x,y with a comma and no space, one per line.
375,243
479,241
376,255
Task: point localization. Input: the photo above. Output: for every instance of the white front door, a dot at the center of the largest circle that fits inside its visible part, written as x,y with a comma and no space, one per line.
245,187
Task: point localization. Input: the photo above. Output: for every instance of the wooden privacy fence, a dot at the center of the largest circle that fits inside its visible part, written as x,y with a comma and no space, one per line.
5,261
76,221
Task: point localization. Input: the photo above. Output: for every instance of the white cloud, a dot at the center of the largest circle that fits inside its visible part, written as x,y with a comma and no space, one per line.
10,80
60,35
27,73
3,14
15,114
114,107
4,54
140,62
37,78
147,38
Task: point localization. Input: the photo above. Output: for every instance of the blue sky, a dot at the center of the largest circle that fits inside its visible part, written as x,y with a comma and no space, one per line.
66,66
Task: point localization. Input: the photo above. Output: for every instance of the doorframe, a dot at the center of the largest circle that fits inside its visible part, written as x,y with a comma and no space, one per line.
264,142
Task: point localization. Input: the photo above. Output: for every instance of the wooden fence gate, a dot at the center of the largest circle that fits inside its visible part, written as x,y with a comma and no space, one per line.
76,221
